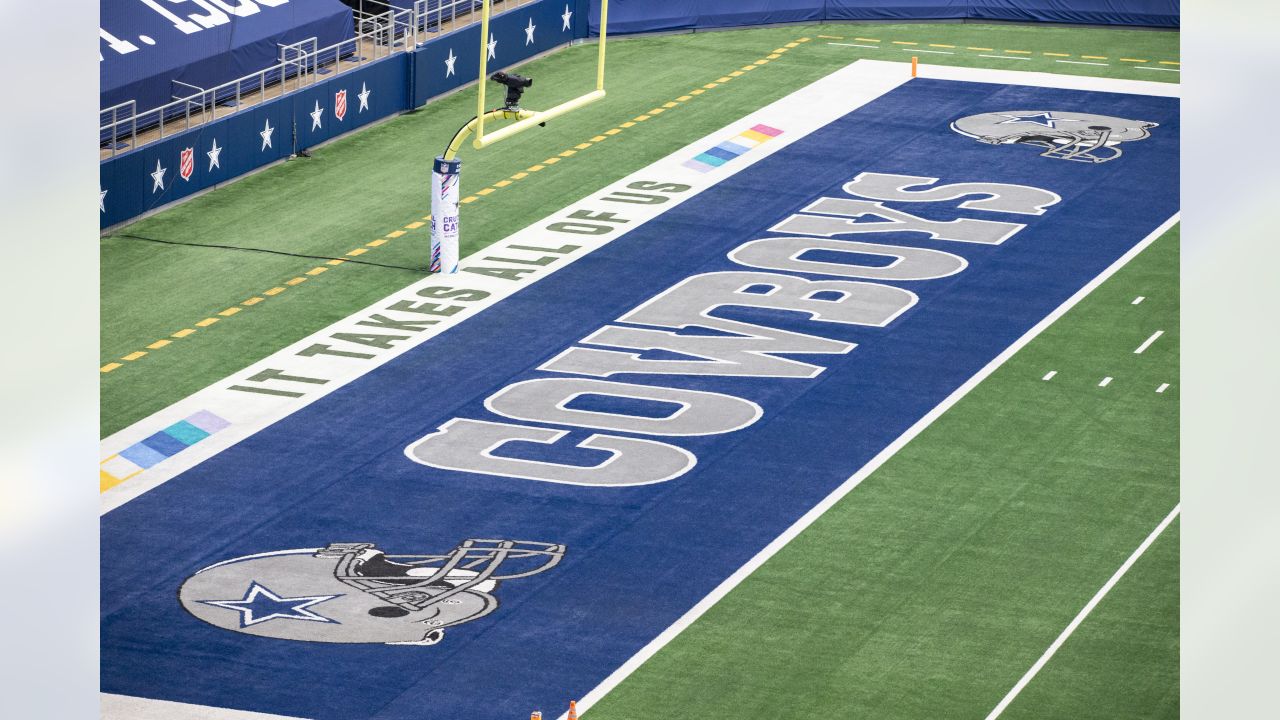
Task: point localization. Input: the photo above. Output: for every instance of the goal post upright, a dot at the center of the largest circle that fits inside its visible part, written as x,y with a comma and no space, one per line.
447,169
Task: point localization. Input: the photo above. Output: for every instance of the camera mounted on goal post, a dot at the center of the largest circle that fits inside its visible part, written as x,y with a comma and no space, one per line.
447,169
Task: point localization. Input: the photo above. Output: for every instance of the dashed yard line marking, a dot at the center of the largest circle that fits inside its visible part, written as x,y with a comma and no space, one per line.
206,322
873,47
831,37
1147,343
1083,62
1170,62
1049,375
1084,613
395,233
1019,52
904,42
109,367
1132,60
1005,57
979,49
291,281
1148,67
941,45
187,331
414,225
1163,387
1105,381
1094,57
229,311
134,355
158,344
1138,300
935,52
1049,54
866,39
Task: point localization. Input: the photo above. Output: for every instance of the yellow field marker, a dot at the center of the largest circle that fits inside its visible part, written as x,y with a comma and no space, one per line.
334,262
568,153
866,39
780,50
277,290
520,176
295,281
255,300
551,161
723,79
414,225
109,367
981,49
1049,54
656,111
186,331
484,192
229,311
206,322
312,272
1094,57
792,44
395,233
502,183
684,98
1132,60
696,91
613,131
773,56
158,344
669,104
1018,52
736,73
904,42
803,40
599,138
535,168
376,243
352,253
761,61
940,45
831,37
1169,62
134,356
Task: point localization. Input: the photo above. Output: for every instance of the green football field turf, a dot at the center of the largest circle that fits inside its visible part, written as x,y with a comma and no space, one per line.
931,588
925,593
362,187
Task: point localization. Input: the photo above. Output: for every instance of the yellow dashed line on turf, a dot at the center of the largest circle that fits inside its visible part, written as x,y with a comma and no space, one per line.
866,39
940,45
904,42
1132,60
1169,62
1094,57
1049,54
1018,52
356,252
981,49
831,37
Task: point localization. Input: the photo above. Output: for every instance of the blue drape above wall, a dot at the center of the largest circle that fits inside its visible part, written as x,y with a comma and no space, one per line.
640,16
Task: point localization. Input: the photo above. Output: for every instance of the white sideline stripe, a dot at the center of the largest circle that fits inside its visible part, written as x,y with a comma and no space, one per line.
1163,387
1144,67
1049,375
1137,300
935,52
1154,336
1005,57
1105,381
126,707
1084,612
799,526
873,47
1082,62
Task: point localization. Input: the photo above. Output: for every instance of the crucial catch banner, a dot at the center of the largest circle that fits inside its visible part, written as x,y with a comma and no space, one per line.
493,490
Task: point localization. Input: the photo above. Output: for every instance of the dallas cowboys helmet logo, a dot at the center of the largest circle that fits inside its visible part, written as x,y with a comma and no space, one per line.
355,593
1083,137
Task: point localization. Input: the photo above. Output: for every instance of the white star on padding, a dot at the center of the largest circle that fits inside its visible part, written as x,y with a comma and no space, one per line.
565,17
266,135
102,201
528,32
315,116
214,154
493,48
448,63
364,97
157,178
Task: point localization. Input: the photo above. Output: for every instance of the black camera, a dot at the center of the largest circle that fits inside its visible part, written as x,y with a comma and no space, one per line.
515,87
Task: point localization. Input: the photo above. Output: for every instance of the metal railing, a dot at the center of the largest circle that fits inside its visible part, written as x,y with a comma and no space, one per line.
381,31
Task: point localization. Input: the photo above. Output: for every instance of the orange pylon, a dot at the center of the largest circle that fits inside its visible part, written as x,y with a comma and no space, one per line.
536,715
573,710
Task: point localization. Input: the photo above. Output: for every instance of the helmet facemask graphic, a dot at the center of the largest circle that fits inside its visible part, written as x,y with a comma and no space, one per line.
356,593
1081,137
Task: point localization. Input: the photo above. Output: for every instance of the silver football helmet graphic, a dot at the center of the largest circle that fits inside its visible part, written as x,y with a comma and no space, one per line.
1083,137
355,593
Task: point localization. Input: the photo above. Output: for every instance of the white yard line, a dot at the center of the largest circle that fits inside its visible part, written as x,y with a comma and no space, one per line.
1049,375
1163,387
1082,62
648,651
1105,381
1137,300
873,47
1004,57
1144,67
1084,612
1147,343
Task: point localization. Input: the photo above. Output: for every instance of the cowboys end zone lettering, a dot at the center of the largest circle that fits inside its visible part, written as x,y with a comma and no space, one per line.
783,327
740,349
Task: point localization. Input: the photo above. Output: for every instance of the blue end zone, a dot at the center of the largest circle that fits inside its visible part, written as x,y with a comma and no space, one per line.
638,558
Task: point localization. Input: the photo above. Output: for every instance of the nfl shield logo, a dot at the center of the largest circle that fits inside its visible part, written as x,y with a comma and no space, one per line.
340,104
188,163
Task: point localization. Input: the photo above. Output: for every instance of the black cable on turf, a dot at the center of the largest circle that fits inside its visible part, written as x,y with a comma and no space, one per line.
271,252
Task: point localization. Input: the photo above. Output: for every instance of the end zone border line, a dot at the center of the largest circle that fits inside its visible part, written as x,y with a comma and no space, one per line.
679,626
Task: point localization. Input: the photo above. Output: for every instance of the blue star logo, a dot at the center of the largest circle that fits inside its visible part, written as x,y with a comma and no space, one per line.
1043,119
259,605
